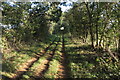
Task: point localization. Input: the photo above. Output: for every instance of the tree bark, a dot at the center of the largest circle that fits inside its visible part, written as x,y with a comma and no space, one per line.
119,45
90,24
97,28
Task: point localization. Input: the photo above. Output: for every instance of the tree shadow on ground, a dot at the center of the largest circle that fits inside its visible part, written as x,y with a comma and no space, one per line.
7,66
81,58
79,48
83,55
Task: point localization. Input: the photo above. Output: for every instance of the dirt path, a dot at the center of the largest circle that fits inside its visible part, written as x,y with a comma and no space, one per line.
44,66
62,72
26,66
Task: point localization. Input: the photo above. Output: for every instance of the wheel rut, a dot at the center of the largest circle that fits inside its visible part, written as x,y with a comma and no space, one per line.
26,66
45,65
63,71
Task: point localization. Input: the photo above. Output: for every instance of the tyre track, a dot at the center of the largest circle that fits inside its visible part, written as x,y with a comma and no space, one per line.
46,65
63,71
29,63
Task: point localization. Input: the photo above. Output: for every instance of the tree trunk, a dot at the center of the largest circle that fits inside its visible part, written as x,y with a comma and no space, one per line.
96,35
97,28
100,41
119,44
90,25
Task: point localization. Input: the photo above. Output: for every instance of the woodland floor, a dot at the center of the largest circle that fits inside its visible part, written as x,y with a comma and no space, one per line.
61,61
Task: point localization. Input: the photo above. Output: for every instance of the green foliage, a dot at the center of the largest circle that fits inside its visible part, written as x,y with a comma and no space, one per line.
84,63
7,66
26,23
38,26
98,20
